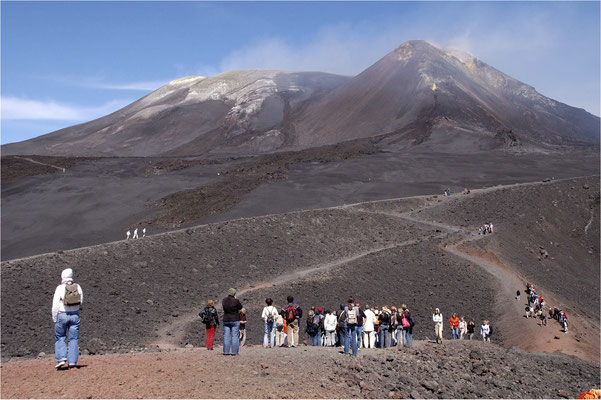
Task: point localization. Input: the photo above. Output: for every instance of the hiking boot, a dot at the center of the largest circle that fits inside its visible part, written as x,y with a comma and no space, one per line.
61,365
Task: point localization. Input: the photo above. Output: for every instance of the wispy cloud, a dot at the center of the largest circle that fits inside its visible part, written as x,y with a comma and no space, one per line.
134,86
100,82
15,108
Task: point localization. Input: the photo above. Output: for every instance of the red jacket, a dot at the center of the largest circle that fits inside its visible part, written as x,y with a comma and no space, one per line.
454,321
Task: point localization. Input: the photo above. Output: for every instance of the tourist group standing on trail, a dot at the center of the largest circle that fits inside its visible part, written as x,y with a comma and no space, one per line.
460,329
536,309
351,326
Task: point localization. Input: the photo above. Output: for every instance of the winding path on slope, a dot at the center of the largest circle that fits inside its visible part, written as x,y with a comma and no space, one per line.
41,163
170,335
517,330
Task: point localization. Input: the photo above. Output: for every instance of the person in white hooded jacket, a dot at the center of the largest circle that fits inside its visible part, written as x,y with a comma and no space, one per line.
329,325
68,297
438,325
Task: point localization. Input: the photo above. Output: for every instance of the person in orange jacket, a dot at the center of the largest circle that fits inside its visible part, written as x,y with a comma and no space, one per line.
454,321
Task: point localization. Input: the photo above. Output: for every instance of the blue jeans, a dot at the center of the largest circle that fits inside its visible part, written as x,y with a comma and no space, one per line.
231,337
385,338
397,334
359,335
455,333
341,335
316,340
350,339
67,322
408,337
269,334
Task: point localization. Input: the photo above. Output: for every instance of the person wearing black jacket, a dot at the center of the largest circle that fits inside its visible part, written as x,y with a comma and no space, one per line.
360,318
231,323
384,319
471,326
210,318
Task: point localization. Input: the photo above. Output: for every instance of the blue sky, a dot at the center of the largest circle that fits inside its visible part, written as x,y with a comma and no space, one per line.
65,63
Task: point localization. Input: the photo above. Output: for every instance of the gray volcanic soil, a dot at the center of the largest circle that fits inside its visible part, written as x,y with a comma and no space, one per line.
98,200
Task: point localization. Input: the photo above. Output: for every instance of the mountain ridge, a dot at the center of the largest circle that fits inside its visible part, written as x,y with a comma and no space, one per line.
418,93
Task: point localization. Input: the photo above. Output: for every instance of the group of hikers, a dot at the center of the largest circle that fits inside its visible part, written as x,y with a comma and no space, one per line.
486,228
135,235
351,326
460,328
536,308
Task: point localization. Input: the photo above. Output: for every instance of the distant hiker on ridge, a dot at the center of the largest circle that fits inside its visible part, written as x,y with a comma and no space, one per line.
68,296
128,233
231,323
144,232
135,234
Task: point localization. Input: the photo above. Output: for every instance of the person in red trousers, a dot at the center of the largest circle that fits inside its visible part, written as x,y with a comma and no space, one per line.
210,318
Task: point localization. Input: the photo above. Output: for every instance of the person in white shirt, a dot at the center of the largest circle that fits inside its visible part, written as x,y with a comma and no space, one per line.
135,234
329,325
438,325
485,331
128,233
269,316
144,232
462,328
65,315
369,322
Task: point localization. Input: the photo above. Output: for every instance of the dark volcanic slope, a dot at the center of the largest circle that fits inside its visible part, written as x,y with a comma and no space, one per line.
419,89
561,218
156,279
96,201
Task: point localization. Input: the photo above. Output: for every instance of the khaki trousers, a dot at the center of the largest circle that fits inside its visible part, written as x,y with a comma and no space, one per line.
292,330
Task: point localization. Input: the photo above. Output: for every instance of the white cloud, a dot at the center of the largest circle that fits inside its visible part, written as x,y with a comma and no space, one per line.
14,108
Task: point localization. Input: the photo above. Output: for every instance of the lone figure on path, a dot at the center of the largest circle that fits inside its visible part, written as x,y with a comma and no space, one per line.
128,233
68,296
135,234
144,232
438,324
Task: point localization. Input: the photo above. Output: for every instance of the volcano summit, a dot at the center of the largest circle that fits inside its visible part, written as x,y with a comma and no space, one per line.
418,94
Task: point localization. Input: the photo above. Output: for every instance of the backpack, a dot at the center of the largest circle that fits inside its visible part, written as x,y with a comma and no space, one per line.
72,296
351,316
489,330
384,318
411,321
316,321
311,329
270,317
205,316
290,313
